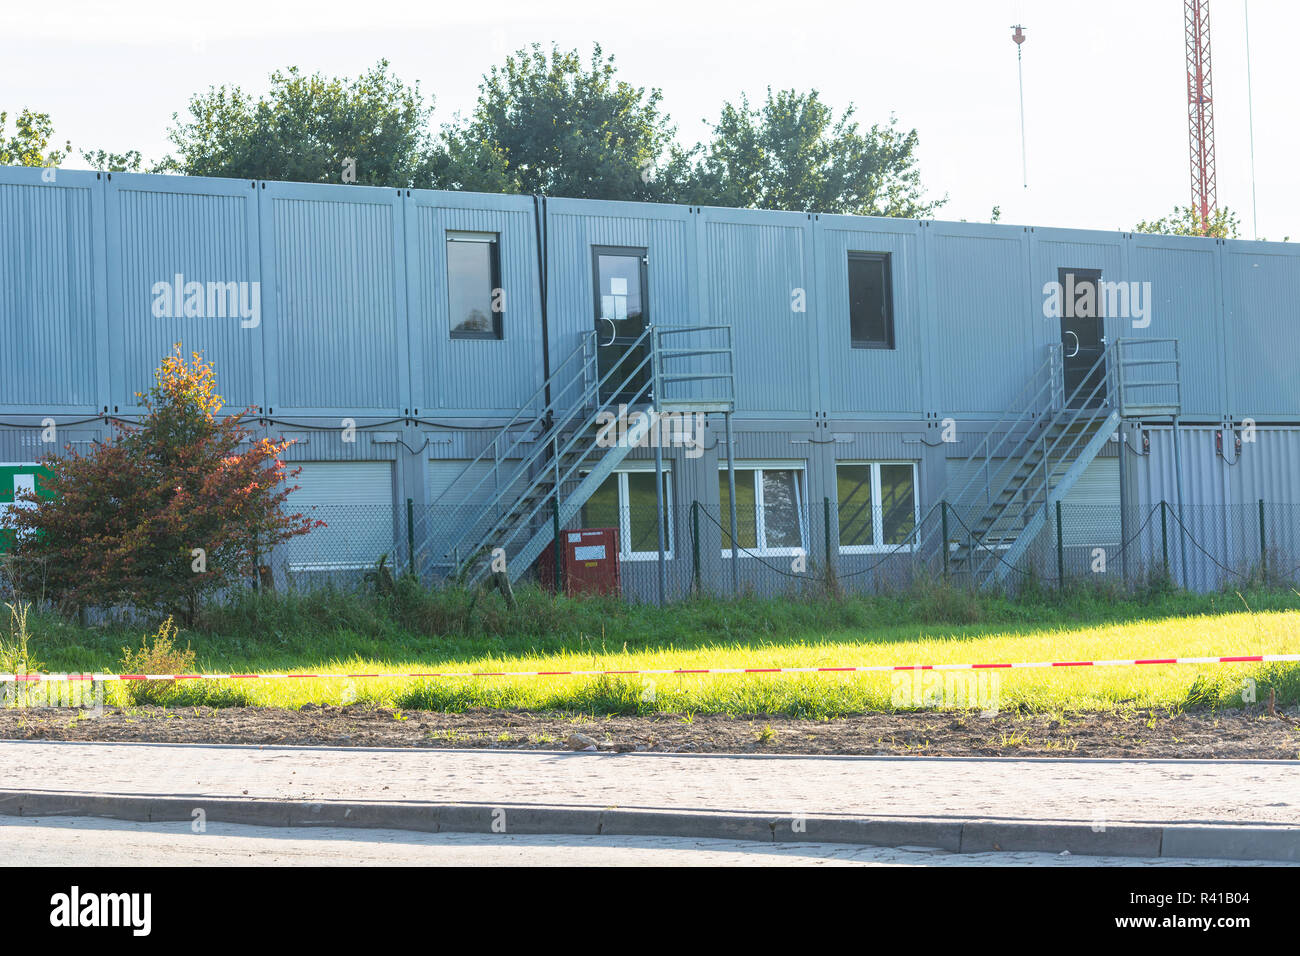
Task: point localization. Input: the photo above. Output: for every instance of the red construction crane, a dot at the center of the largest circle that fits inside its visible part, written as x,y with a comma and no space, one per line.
1200,110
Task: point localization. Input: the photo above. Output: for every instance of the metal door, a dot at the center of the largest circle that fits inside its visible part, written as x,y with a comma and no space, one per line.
622,314
1083,337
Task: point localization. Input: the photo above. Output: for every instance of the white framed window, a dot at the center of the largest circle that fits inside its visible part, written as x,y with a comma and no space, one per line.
878,505
771,518
626,501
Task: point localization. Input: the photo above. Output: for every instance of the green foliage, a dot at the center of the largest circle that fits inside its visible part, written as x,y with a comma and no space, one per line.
30,144
358,631
381,579
552,122
792,153
305,129
1186,221
161,515
128,162
163,656
16,656
548,123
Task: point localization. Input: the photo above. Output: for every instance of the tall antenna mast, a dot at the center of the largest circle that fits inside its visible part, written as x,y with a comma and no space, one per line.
1019,37
1200,110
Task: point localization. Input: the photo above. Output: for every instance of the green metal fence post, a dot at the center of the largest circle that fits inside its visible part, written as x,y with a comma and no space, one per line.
410,534
559,547
826,528
1164,536
1060,550
943,521
1263,543
695,544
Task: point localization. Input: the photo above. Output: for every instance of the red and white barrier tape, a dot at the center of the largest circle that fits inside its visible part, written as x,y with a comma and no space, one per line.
859,669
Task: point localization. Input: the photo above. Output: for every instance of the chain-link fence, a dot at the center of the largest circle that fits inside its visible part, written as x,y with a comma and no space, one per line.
818,548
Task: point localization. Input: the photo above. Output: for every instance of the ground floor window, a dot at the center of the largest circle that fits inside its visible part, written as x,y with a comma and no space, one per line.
770,514
878,504
626,501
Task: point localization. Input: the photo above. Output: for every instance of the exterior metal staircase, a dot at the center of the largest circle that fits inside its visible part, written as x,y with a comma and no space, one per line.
1029,460
543,465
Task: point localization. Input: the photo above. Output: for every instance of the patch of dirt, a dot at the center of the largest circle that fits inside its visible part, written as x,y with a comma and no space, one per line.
1247,733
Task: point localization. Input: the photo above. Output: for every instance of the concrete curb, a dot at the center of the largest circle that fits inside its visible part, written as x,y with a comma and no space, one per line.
1271,843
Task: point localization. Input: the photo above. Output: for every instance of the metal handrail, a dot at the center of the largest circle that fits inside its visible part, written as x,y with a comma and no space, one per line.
516,419
594,406
558,424
1006,427
664,379
1125,348
522,520
1071,423
1106,382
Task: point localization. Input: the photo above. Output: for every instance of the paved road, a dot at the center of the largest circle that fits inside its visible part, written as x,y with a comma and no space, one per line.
84,841
1043,790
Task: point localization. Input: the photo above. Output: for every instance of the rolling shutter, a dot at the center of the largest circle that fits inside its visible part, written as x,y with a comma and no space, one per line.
1090,512
355,500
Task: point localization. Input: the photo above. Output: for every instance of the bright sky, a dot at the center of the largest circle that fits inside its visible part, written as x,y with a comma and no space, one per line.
1105,87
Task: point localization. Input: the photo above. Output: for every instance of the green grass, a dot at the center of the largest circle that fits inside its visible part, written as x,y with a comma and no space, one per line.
412,629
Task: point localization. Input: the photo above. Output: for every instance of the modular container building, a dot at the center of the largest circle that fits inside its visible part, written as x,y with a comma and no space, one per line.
874,389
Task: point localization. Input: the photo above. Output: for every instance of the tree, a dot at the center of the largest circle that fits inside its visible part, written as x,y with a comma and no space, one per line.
30,143
128,162
791,153
1186,221
162,514
547,123
371,130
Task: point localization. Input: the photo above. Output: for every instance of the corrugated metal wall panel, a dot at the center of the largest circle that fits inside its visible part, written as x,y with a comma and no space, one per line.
200,230
1054,249
338,340
984,342
1184,279
752,273
883,380
27,445
575,226
336,337
1269,467
51,292
328,444
478,377
1218,534
1262,282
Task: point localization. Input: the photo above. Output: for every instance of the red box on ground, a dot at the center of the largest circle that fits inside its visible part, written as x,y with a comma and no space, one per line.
590,562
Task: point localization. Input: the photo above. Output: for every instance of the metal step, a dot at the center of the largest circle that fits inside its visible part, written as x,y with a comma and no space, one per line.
517,562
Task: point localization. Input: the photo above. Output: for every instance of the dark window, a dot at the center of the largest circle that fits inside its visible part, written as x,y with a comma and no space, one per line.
871,301
474,292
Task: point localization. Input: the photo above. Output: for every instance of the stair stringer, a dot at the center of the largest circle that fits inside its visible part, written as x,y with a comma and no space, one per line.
1057,493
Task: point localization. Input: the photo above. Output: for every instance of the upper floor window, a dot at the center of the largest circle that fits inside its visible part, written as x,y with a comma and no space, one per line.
474,292
871,301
